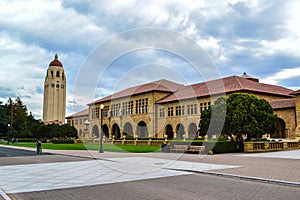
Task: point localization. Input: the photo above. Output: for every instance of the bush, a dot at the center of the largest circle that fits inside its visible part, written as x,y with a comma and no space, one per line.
258,139
27,139
69,141
224,147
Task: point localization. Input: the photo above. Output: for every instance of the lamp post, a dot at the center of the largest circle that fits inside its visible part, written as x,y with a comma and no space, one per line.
86,123
9,127
101,121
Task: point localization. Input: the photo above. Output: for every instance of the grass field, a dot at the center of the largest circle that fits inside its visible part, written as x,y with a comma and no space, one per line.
106,147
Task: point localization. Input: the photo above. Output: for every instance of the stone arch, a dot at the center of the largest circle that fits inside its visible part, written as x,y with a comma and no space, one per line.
280,131
141,130
169,131
105,130
192,133
116,131
95,131
127,130
179,131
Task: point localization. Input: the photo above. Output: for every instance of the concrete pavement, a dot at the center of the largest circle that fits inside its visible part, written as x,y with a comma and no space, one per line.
275,168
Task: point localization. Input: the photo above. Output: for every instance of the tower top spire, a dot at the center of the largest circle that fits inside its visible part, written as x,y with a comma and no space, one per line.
55,62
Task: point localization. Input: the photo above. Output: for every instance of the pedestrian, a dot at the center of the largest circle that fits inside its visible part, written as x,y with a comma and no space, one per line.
38,146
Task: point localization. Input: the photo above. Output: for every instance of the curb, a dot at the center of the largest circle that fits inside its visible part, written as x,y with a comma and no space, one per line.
4,195
246,178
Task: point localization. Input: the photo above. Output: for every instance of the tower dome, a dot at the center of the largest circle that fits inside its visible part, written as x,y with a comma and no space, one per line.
56,62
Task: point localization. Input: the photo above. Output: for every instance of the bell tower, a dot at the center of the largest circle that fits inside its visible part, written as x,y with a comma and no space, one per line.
54,108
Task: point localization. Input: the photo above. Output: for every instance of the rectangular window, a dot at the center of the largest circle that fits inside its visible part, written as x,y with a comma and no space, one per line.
179,110
192,109
131,108
204,106
161,112
127,108
201,107
115,110
95,113
106,111
141,106
170,111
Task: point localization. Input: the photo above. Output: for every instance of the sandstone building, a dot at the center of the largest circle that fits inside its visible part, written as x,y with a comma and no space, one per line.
163,108
54,106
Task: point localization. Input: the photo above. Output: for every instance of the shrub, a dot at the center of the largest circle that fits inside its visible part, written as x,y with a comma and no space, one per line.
224,147
69,141
27,139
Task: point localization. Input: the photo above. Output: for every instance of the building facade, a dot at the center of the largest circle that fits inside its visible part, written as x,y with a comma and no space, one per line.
165,109
78,120
54,105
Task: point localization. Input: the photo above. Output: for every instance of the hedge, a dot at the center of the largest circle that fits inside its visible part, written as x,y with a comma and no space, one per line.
216,147
69,141
224,147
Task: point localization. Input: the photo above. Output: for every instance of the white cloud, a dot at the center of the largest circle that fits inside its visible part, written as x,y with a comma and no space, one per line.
22,70
234,33
282,75
51,25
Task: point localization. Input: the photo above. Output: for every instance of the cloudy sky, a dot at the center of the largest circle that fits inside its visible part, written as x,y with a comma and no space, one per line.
106,46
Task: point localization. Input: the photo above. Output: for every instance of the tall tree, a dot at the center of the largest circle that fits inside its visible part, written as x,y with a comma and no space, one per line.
249,115
3,119
245,114
213,119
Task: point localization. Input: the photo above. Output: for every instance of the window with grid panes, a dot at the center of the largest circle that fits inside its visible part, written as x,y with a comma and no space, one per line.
161,112
170,111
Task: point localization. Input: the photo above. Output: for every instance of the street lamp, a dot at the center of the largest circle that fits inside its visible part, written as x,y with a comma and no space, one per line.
9,127
101,135
86,123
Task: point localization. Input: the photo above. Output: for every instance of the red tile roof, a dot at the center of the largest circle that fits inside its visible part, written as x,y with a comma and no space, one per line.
53,122
160,85
226,85
283,103
295,93
79,114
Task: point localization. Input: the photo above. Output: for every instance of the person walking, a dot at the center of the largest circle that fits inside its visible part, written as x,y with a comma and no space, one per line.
38,146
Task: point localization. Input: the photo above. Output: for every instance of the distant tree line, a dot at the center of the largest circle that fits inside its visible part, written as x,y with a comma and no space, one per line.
16,122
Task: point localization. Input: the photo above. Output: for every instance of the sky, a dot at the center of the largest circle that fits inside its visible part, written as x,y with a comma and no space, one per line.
107,46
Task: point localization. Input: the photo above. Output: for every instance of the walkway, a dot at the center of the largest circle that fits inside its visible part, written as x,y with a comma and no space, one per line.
112,167
48,176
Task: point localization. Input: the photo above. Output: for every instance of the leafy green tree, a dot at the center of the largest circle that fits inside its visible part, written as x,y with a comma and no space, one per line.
213,119
42,132
245,114
15,113
68,131
53,131
249,115
3,119
204,122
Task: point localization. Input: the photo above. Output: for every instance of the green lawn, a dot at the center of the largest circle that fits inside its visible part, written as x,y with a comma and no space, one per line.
106,147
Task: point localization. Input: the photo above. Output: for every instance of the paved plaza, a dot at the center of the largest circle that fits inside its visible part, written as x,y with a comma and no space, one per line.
89,169
48,176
